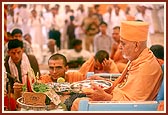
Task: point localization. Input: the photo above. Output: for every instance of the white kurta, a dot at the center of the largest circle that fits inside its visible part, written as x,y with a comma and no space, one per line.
116,20
108,19
36,30
146,18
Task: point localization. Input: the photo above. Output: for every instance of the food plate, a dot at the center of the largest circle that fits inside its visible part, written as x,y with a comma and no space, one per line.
60,87
111,76
77,86
35,108
108,74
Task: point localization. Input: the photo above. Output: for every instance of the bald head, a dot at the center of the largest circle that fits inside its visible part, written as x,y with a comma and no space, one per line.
58,56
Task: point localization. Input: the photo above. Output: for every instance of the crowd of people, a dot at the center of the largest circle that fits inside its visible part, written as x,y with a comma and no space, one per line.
44,22
101,43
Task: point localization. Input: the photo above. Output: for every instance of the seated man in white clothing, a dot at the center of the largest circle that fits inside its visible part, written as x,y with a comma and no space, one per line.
77,56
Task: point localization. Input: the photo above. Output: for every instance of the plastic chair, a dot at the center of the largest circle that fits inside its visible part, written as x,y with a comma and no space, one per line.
86,105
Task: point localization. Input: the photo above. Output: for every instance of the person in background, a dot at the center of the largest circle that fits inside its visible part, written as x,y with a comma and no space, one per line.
107,17
145,16
71,32
160,14
80,14
90,27
51,49
158,51
17,34
9,36
77,56
97,12
35,23
128,15
116,53
55,23
102,41
118,15
142,68
100,63
28,38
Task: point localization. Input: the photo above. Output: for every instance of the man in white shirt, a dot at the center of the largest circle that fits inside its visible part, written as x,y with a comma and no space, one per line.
102,41
77,52
118,15
107,17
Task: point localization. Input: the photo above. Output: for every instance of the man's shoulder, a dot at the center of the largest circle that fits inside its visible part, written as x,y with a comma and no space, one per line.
97,35
31,57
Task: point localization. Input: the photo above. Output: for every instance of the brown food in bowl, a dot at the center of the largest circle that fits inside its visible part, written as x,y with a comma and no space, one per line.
35,99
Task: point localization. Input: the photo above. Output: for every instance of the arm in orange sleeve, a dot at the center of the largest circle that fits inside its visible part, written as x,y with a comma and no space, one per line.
113,67
87,66
74,77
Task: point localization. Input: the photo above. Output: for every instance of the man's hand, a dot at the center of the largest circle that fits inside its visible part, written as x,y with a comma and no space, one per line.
106,65
98,94
96,78
161,106
17,86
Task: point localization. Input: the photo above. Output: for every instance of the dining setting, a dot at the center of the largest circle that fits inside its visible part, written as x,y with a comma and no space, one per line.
70,61
52,96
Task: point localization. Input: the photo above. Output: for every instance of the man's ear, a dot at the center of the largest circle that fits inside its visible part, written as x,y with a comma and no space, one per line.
137,44
67,67
8,52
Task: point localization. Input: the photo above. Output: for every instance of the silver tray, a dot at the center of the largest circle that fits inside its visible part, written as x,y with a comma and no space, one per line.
77,86
60,87
35,108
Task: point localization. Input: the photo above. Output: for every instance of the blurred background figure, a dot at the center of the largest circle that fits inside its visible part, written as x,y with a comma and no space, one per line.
55,24
71,32
102,41
28,38
50,50
145,15
118,15
24,13
52,21
128,15
97,12
116,54
80,14
90,27
107,17
36,22
160,14
78,52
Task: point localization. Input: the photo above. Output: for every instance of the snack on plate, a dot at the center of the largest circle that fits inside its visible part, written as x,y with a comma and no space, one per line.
40,87
35,99
60,80
78,86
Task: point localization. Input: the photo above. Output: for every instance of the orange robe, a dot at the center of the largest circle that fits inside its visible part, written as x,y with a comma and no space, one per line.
88,66
143,81
69,77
